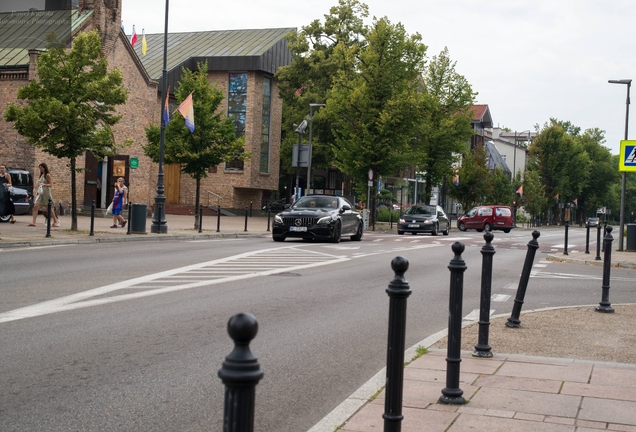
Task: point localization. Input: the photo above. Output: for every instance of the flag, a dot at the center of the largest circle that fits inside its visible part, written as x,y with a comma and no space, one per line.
187,111
166,113
520,191
133,38
144,45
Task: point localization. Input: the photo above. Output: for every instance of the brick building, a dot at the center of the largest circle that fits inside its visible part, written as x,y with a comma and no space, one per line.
242,62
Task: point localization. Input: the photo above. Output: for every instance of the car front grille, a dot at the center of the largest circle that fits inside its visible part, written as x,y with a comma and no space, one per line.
299,221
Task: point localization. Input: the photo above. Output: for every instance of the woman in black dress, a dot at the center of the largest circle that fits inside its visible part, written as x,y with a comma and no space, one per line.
6,205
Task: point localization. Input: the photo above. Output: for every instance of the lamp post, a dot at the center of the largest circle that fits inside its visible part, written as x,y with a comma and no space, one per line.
299,130
311,123
159,225
628,82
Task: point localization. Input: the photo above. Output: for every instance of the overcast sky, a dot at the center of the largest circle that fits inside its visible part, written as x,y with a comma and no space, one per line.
529,60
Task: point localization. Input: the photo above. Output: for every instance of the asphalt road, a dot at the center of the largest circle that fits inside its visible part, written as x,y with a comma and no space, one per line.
131,336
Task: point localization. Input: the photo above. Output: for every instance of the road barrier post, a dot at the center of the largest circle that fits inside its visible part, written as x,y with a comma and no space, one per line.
565,245
587,238
200,217
398,292
129,214
533,245
246,213
482,349
92,232
605,305
240,373
452,394
218,218
49,207
269,213
598,242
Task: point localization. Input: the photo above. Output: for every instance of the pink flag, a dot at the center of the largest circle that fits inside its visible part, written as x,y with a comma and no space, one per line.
520,191
187,111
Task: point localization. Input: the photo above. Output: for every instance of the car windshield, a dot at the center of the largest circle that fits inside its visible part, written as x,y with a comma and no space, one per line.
421,210
316,202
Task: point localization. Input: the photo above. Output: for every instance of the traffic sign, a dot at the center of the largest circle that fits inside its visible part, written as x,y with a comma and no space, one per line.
627,158
134,163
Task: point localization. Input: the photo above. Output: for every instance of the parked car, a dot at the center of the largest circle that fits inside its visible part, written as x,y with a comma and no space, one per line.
318,217
592,222
424,219
491,217
22,202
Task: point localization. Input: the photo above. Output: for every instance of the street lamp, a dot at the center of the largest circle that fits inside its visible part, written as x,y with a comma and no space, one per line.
299,130
628,82
159,224
311,123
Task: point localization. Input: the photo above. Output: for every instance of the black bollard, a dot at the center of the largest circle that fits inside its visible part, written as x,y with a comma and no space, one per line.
565,245
92,232
246,213
391,217
218,218
129,217
269,213
482,349
240,374
605,305
200,217
452,394
598,242
533,245
48,221
604,234
587,238
398,292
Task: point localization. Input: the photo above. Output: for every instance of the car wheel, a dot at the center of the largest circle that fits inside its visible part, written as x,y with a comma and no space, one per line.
461,226
6,218
435,229
358,235
487,227
447,230
506,231
337,232
400,232
279,239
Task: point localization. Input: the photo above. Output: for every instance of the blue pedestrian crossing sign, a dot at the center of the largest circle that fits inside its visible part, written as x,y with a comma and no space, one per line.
627,159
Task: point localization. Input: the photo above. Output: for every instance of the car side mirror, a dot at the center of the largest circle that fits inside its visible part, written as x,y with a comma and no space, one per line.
345,207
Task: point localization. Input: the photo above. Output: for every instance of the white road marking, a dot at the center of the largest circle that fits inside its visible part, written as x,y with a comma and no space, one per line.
540,265
499,297
474,315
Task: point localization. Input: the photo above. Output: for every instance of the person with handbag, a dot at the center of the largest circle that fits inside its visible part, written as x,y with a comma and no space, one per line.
6,205
119,200
45,182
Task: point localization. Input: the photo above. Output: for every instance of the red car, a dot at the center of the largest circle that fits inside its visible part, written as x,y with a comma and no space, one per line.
487,218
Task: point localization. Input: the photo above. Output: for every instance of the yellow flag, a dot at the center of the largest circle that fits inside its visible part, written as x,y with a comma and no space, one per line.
144,45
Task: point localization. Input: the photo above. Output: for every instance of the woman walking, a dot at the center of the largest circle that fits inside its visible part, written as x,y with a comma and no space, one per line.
6,205
120,199
44,194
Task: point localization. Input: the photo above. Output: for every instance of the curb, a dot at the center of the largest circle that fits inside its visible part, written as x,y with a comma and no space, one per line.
593,262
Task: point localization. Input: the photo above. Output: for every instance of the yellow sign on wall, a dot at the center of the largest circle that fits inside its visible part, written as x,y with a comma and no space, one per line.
627,158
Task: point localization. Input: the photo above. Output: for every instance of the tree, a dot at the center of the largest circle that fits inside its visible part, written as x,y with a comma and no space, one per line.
447,125
213,141
375,103
501,192
533,199
474,179
70,108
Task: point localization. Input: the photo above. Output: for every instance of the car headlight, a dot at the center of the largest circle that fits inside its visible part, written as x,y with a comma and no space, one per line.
278,219
402,220
427,221
325,220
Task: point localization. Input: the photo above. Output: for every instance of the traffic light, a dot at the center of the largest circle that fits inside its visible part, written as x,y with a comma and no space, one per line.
514,203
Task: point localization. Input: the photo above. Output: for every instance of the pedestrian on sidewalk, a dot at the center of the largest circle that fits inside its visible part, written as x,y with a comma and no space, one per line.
6,205
119,201
45,182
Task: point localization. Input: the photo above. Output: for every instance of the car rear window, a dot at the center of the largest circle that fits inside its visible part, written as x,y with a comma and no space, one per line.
21,179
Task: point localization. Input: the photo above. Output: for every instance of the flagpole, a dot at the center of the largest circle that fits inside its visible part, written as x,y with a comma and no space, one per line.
159,224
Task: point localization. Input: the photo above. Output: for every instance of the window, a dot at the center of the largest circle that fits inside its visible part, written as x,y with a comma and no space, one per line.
236,109
265,119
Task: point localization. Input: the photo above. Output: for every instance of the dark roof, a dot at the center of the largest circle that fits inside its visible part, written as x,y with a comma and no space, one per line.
494,158
23,31
263,50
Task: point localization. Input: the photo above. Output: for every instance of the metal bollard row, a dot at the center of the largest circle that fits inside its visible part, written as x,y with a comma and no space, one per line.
605,305
533,245
482,349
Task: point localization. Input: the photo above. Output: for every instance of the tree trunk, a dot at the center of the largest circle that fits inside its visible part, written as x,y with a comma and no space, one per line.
73,198
197,207
427,189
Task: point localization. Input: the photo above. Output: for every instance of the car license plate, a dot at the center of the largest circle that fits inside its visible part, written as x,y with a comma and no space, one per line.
295,228
414,226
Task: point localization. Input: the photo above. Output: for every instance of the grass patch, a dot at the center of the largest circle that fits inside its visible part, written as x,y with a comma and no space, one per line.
420,351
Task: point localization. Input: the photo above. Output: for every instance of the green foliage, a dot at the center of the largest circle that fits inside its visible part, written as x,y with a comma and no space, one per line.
384,213
446,126
474,179
70,108
534,199
502,192
375,101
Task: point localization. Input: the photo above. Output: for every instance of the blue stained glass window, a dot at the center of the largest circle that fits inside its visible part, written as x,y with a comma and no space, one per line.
236,109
